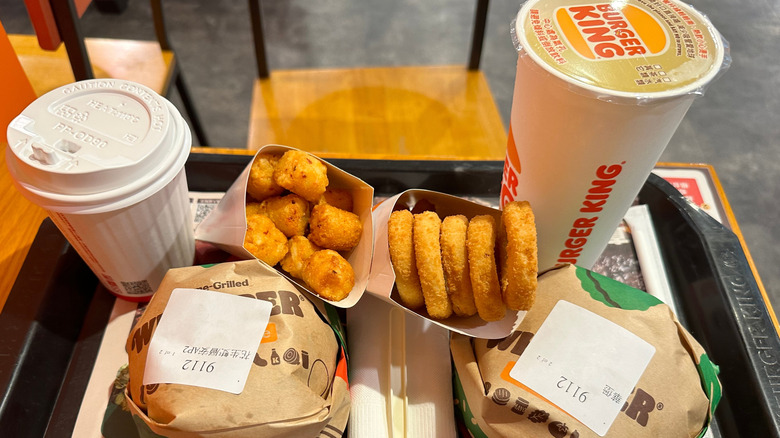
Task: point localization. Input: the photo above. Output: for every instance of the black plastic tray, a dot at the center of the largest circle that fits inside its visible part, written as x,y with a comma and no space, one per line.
53,320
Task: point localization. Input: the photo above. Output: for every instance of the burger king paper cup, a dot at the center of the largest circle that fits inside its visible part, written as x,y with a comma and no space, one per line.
599,91
106,158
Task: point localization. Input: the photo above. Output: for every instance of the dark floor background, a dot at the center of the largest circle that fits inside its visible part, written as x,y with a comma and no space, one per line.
735,126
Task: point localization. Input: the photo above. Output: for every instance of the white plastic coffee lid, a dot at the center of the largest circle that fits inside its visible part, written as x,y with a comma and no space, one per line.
97,144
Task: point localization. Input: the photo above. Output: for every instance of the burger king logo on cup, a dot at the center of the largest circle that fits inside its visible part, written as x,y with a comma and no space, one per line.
611,31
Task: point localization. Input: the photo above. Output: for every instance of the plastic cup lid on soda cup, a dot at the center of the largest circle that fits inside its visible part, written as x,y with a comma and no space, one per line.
96,145
639,49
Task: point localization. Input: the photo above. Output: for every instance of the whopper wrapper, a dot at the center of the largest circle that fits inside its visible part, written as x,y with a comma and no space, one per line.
382,279
297,382
226,225
499,384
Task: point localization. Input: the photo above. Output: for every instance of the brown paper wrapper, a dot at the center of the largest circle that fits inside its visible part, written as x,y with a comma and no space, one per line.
297,385
675,397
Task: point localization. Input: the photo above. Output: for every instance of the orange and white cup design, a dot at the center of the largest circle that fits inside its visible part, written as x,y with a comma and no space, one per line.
600,89
608,31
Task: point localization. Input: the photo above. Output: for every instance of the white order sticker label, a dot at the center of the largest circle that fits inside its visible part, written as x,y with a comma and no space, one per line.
206,339
584,364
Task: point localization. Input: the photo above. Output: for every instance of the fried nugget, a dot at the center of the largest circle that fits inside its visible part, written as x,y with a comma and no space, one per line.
261,184
456,266
290,213
399,237
480,242
264,240
299,249
329,275
340,198
302,174
519,266
427,252
255,208
333,228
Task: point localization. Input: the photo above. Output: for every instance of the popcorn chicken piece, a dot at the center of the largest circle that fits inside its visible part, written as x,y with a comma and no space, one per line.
340,198
255,208
333,228
302,174
289,213
261,183
299,249
329,275
264,240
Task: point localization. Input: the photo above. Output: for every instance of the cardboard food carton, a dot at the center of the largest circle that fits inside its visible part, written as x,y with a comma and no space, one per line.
382,279
226,226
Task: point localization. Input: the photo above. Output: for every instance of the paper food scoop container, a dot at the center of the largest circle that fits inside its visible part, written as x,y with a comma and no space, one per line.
593,357
226,226
382,280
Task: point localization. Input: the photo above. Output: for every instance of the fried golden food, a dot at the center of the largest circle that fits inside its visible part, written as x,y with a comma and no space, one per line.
519,266
340,198
480,242
261,184
427,253
302,174
399,236
333,228
455,261
299,249
264,240
290,213
329,275
255,208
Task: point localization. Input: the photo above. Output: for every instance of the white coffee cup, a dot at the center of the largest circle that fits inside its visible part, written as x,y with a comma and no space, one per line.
105,158
599,91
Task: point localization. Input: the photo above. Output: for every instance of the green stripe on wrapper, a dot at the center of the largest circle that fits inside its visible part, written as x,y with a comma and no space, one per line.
462,408
614,293
709,381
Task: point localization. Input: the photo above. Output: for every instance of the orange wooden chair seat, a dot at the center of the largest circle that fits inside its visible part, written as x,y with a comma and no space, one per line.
445,112
59,54
139,61
419,112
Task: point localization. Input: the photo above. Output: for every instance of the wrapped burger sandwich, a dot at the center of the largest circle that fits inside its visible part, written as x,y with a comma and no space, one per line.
295,383
593,357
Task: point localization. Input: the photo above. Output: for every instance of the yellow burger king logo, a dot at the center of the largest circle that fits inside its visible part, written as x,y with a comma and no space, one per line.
611,31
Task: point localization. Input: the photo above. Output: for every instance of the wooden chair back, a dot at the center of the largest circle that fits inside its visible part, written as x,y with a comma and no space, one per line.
15,89
49,65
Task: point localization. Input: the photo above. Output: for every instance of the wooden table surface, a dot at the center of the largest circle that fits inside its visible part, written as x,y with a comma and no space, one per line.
19,222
